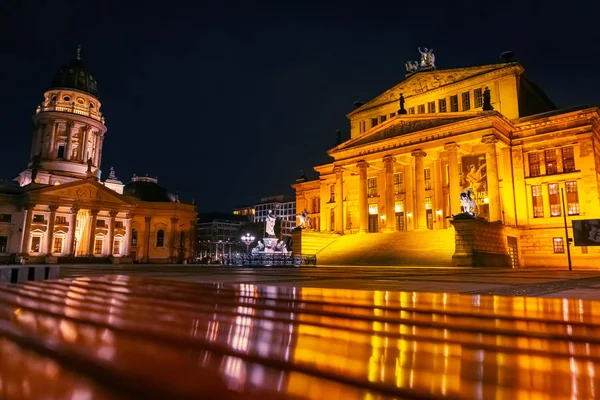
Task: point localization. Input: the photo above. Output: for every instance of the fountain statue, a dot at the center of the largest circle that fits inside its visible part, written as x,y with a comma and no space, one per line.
270,244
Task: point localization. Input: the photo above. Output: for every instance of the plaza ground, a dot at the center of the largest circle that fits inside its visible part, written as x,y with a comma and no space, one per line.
557,283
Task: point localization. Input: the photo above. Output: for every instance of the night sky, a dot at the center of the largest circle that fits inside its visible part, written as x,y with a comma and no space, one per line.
225,102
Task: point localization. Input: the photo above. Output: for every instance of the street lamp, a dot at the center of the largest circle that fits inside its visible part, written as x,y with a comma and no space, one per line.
247,239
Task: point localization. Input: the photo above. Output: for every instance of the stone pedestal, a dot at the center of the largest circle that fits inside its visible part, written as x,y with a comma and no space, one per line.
479,244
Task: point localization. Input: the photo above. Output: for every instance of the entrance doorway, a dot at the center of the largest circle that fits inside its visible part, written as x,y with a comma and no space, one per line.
513,251
429,219
400,221
373,223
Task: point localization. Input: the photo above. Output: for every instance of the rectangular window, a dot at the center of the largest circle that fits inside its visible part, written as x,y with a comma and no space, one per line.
558,244
332,193
554,200
572,198
399,212
466,101
38,218
392,115
550,159
427,173
431,107
568,159
5,218
58,245
534,164
411,110
315,205
373,210
61,220
119,224
478,98
374,122
100,223
398,183
382,118
60,153
372,187
538,202
117,247
454,103
98,246
3,244
442,105
399,206
35,244
332,219
428,203
363,126
422,109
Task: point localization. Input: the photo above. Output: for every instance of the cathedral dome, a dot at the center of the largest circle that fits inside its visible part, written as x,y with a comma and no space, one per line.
147,189
76,76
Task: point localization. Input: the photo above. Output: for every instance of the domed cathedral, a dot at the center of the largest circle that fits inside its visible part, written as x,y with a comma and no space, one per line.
390,192
60,210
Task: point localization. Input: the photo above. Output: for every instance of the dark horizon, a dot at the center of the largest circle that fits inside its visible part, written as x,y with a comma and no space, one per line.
226,103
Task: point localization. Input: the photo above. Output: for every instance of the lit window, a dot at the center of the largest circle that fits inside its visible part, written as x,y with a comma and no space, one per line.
442,105
398,183
466,101
551,167
427,173
431,107
117,247
134,237
160,238
373,210
61,220
98,246
119,224
568,159
411,110
558,244
58,245
35,244
331,193
478,98
100,223
538,202
534,164
372,187
399,206
428,203
422,109
572,198
554,200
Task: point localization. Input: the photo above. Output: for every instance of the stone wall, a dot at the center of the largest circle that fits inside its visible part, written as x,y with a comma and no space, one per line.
311,242
480,244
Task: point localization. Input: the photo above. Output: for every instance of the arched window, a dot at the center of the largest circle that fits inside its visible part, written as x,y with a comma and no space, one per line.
134,237
160,238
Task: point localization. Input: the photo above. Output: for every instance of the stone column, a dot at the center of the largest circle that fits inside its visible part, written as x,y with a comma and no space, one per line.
50,234
52,137
92,232
390,214
339,199
70,136
409,199
147,239
72,230
173,239
420,211
127,237
99,149
83,144
492,177
111,231
27,230
363,205
438,202
453,177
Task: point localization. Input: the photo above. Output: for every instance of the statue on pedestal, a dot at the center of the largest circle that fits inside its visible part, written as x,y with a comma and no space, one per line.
270,224
305,220
468,202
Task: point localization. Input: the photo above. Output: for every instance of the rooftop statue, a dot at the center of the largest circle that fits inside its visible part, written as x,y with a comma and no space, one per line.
427,57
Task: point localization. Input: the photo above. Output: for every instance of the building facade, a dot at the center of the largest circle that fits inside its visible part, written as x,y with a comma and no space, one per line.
58,209
219,234
415,147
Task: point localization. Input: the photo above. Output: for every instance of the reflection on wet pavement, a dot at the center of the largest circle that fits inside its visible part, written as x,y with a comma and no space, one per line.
120,337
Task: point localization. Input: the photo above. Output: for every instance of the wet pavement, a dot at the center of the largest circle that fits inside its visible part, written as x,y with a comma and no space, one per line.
135,337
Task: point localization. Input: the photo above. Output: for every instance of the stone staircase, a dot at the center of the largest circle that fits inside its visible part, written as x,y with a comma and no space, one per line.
415,248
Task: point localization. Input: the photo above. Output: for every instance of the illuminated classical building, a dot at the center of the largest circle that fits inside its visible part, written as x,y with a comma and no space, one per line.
58,209
415,147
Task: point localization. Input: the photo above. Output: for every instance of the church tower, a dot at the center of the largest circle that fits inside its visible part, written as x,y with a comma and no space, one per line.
68,129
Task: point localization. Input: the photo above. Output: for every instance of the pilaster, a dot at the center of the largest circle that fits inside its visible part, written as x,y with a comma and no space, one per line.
147,221
453,178
173,239
390,216
492,177
420,210
339,200
27,230
92,232
72,234
111,231
363,206
50,234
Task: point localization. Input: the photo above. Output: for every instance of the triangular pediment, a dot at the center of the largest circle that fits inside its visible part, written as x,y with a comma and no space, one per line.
424,81
83,191
401,126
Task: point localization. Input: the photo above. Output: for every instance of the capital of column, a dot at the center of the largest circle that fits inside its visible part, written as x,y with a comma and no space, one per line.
418,153
94,212
148,219
389,159
113,214
53,207
74,210
174,220
129,215
451,146
362,164
338,170
489,139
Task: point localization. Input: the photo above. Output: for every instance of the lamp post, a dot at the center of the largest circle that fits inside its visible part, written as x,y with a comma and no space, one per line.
247,239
